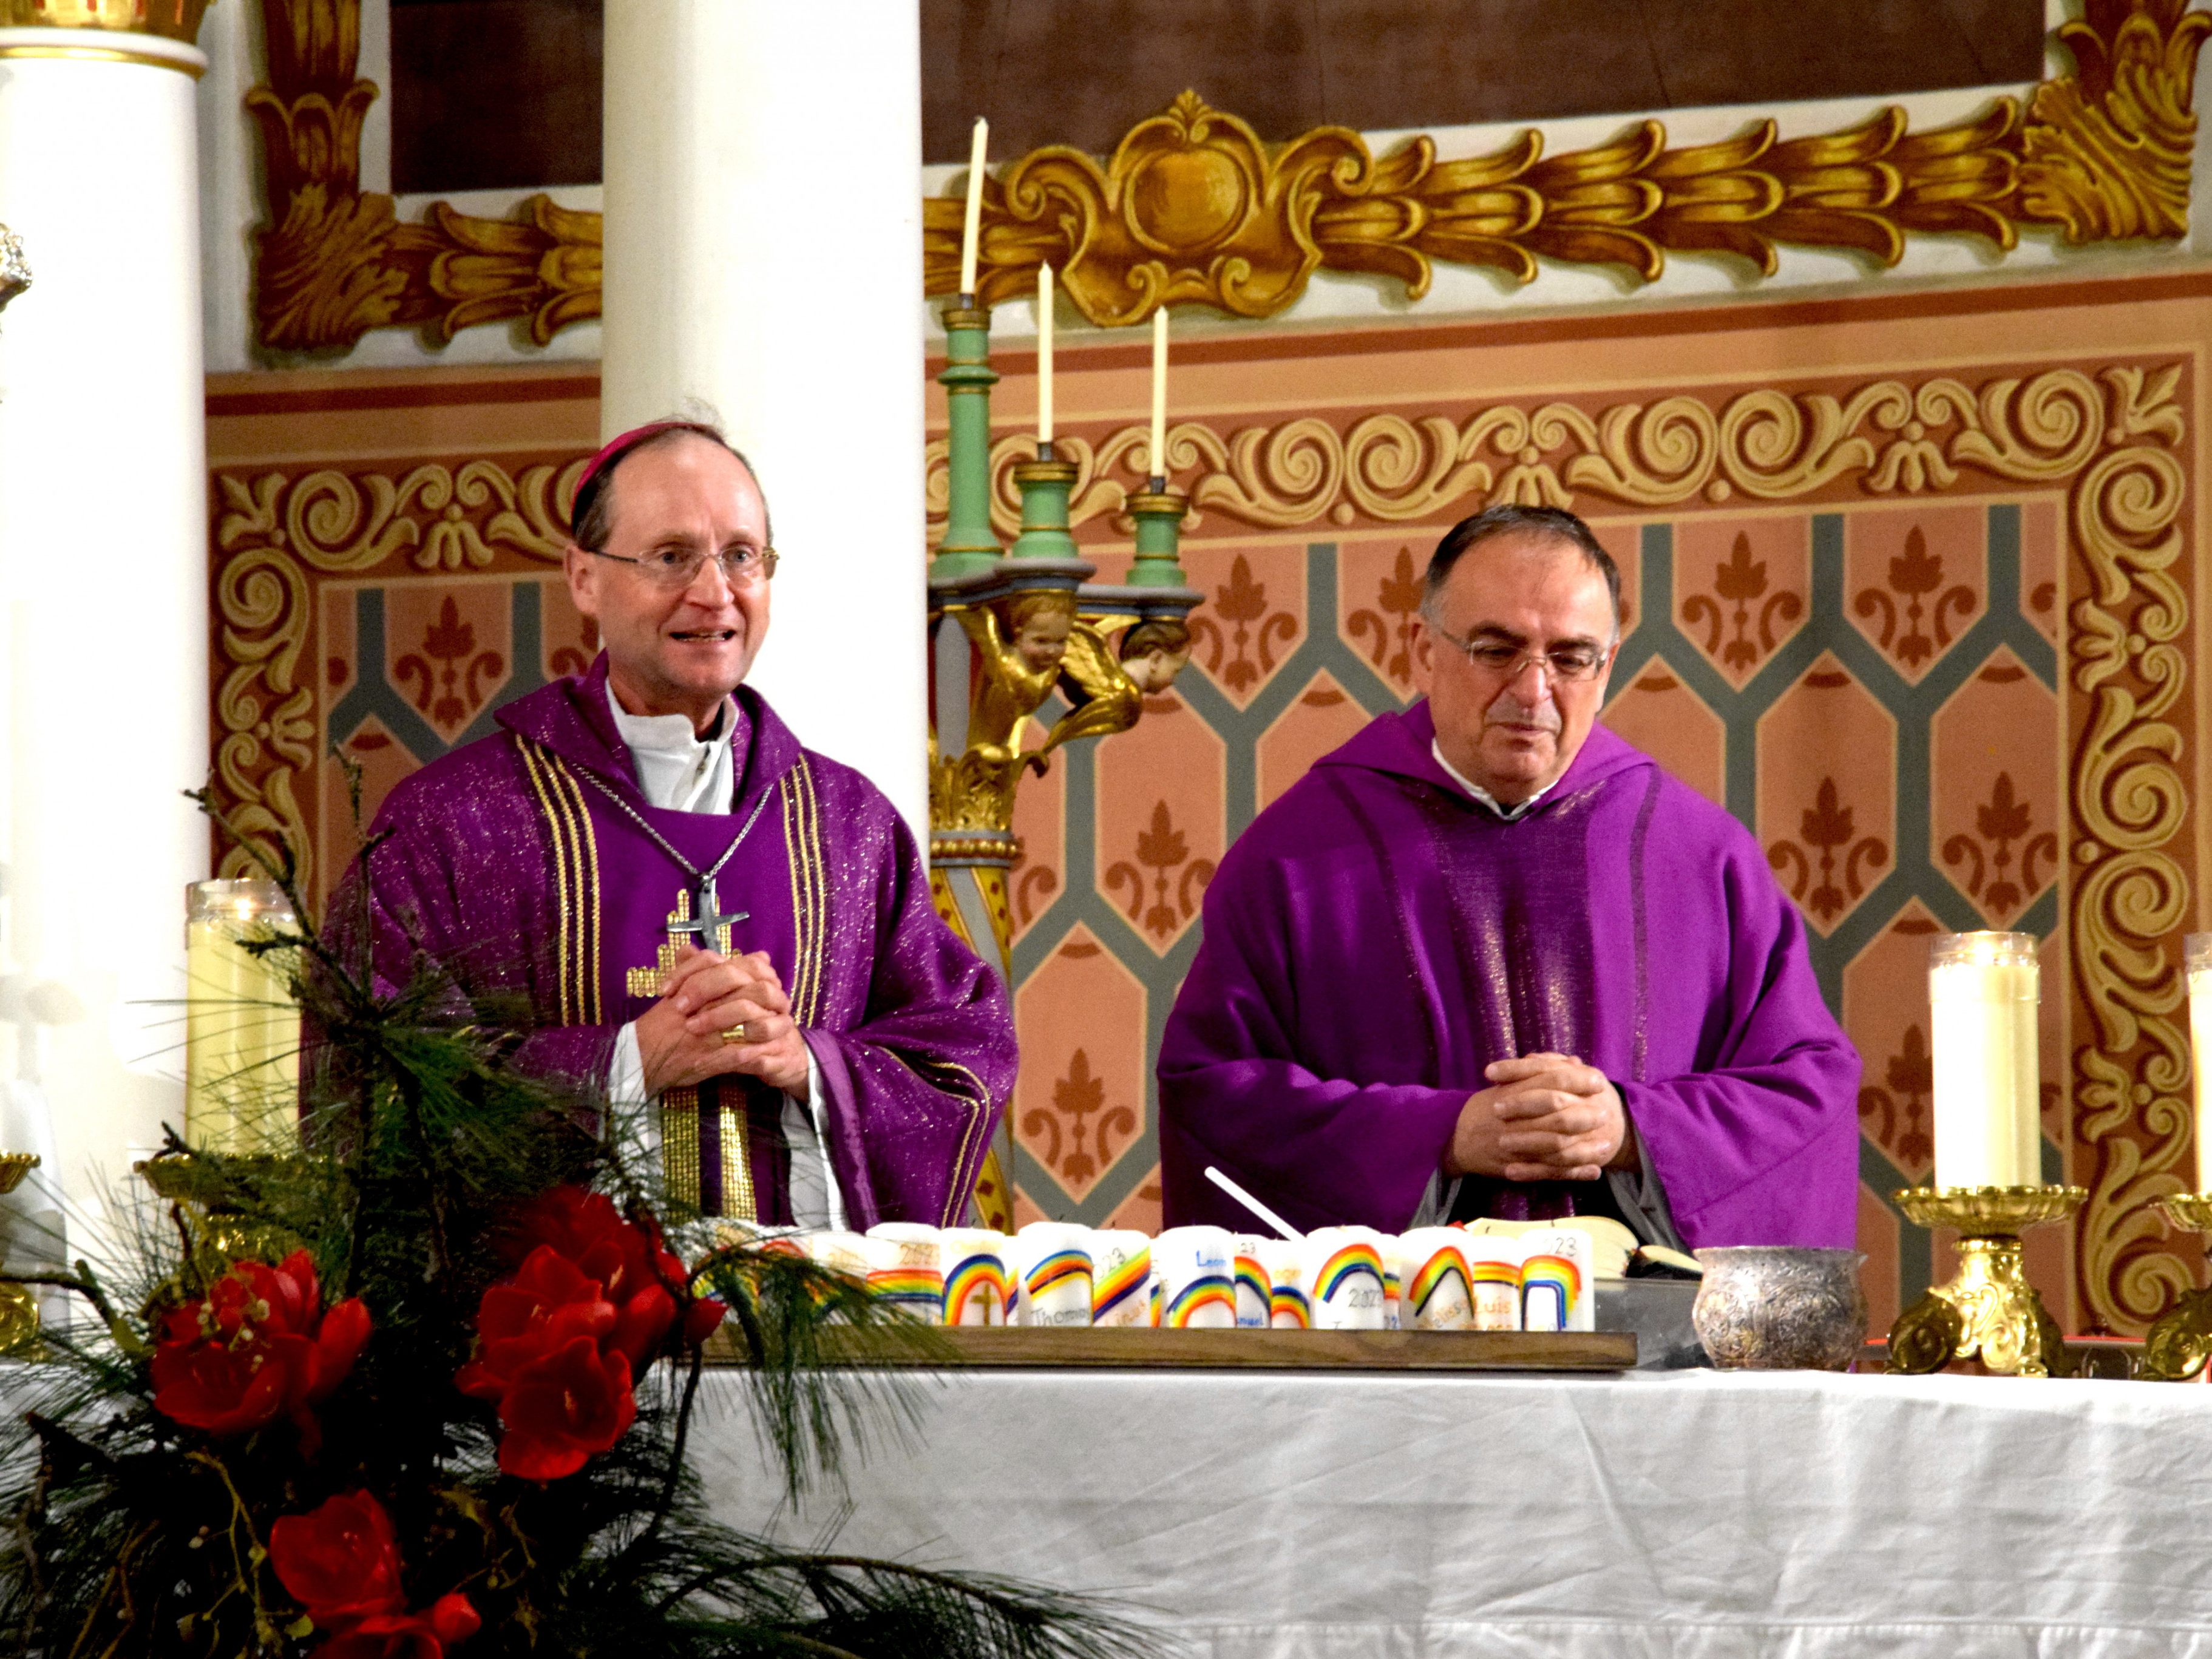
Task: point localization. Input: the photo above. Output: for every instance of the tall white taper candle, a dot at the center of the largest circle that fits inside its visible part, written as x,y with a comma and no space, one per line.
1983,991
2197,957
971,235
1044,354
1157,463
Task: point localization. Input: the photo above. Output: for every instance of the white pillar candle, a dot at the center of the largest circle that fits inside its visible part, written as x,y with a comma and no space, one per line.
2196,955
971,232
241,1028
1982,993
1158,455
1044,354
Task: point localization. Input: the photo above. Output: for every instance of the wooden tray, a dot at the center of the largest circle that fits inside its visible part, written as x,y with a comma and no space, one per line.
1048,1347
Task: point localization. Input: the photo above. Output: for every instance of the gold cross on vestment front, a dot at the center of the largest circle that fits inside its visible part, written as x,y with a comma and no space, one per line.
711,928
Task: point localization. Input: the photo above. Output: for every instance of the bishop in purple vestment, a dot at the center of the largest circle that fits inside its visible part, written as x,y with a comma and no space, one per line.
694,907
1489,960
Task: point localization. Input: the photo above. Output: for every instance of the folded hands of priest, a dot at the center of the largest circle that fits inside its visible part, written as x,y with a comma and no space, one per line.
1544,1117
722,1016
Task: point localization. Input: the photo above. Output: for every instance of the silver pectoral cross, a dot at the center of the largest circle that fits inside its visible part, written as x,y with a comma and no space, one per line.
708,929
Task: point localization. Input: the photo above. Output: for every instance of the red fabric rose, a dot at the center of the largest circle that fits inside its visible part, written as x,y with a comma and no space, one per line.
450,1621
564,1408
340,1561
546,1306
257,1344
703,1320
587,1275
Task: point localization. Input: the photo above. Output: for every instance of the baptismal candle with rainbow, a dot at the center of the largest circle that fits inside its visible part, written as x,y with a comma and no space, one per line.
1120,1277
1049,1265
1343,1272
2197,958
1436,1292
1982,992
1555,1280
1255,1289
903,1269
1284,1261
1493,1263
973,1261
1195,1267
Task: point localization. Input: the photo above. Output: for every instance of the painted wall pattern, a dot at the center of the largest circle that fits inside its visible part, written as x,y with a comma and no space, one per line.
1882,616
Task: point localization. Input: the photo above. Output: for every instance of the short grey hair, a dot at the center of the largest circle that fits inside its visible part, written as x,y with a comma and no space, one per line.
1507,519
591,515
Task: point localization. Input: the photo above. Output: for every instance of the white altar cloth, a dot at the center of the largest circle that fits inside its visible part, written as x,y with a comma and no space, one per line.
1688,1515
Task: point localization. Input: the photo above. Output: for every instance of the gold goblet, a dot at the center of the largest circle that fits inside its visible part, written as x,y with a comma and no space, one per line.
1988,1311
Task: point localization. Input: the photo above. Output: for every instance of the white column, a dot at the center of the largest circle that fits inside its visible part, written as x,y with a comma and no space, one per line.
764,255
103,591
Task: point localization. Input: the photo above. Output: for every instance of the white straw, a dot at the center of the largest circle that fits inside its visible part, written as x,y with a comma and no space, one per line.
1253,1204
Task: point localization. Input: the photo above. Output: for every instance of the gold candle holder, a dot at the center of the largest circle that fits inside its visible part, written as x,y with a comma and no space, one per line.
1988,1311
19,1308
211,1191
2176,1347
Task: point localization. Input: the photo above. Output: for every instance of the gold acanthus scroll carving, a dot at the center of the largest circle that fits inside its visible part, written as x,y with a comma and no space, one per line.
274,533
333,262
1193,207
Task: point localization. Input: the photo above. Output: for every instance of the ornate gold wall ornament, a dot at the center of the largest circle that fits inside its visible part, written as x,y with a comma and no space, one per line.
332,262
171,19
2108,148
15,266
272,530
1193,208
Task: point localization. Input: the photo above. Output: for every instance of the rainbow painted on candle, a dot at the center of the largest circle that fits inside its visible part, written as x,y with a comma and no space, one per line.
1251,1281
1121,1286
1430,1276
1337,1272
977,1279
1212,1291
1048,1272
918,1290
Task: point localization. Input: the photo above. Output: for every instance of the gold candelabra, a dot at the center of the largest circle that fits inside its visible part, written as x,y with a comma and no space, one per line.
1988,1313
19,1308
219,1193
1010,630
2176,1347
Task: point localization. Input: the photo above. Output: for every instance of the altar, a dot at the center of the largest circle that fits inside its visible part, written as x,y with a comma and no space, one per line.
1283,1514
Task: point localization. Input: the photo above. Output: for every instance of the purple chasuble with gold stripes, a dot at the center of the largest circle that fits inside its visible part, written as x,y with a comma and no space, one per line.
523,864
1377,938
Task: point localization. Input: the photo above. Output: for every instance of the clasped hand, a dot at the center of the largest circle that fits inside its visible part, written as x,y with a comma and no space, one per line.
679,1038
1545,1117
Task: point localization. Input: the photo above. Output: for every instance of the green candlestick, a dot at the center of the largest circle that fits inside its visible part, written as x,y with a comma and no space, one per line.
1044,483
1158,512
969,548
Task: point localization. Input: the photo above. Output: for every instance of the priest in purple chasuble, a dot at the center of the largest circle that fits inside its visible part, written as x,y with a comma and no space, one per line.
1487,959
700,912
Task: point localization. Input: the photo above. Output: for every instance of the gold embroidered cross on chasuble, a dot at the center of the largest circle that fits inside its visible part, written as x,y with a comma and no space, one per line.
705,1158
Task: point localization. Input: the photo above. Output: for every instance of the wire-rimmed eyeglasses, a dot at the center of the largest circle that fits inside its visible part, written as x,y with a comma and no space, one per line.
1567,665
679,566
